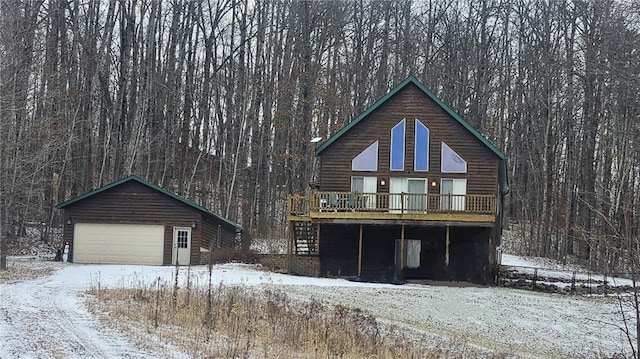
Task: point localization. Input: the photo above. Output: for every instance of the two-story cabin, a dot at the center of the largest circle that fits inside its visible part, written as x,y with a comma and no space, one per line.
406,190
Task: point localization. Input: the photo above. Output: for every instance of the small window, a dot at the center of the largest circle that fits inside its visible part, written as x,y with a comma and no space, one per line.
397,146
451,162
421,152
366,160
183,238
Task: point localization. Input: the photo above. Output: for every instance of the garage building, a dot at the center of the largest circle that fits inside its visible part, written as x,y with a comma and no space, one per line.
133,221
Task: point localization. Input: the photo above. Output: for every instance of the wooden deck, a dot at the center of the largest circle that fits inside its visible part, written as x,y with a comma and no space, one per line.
425,209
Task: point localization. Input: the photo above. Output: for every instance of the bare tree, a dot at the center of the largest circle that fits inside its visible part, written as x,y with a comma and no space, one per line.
217,100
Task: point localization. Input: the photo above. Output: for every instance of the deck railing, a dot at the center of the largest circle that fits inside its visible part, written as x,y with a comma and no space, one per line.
391,203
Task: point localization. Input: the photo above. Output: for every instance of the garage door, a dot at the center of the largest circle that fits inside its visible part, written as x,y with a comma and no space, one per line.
118,243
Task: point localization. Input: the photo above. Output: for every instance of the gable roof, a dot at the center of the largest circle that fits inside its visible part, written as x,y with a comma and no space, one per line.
152,186
431,95
502,172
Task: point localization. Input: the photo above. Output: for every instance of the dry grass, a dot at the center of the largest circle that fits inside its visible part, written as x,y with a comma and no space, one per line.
21,271
245,322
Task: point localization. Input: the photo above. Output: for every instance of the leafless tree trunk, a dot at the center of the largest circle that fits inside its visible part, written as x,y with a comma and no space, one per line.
217,100
3,238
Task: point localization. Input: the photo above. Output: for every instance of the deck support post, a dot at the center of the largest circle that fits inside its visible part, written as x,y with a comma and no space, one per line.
446,249
360,252
401,250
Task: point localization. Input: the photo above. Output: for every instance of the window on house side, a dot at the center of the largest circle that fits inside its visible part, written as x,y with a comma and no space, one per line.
421,153
450,161
367,187
364,184
357,184
453,191
397,146
366,160
183,239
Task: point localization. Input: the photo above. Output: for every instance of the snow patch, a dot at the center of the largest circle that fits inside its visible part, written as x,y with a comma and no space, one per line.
47,317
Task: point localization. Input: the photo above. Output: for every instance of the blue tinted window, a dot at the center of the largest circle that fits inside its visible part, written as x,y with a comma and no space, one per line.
421,153
397,146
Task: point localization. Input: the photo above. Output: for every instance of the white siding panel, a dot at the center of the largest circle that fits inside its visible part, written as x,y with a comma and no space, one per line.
118,243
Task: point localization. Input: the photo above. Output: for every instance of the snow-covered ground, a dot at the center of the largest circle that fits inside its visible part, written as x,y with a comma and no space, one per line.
47,317
561,275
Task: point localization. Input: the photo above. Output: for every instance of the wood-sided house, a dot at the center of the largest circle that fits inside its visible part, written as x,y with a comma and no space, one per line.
406,190
133,221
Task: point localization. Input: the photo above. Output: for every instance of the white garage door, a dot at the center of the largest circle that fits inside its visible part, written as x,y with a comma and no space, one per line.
118,243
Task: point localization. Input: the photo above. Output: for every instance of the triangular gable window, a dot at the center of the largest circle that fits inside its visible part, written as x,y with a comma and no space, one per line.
451,162
366,160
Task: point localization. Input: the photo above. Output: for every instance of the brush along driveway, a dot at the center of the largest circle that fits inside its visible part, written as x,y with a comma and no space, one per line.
47,317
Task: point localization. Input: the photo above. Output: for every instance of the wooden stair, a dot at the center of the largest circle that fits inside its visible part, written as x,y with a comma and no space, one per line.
305,241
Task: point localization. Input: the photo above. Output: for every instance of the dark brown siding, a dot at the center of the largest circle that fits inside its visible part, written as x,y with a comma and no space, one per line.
210,233
168,245
135,203
410,103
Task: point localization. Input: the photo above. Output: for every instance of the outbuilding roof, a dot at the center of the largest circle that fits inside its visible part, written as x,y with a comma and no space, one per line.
152,186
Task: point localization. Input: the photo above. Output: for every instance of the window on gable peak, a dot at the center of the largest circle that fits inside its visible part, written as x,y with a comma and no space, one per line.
421,147
397,146
450,161
366,160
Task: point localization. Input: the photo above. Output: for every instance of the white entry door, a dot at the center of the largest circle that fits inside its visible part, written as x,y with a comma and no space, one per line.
417,198
181,246
414,200
397,185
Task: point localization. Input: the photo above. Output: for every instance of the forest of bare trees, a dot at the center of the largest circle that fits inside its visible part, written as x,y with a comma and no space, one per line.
217,101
